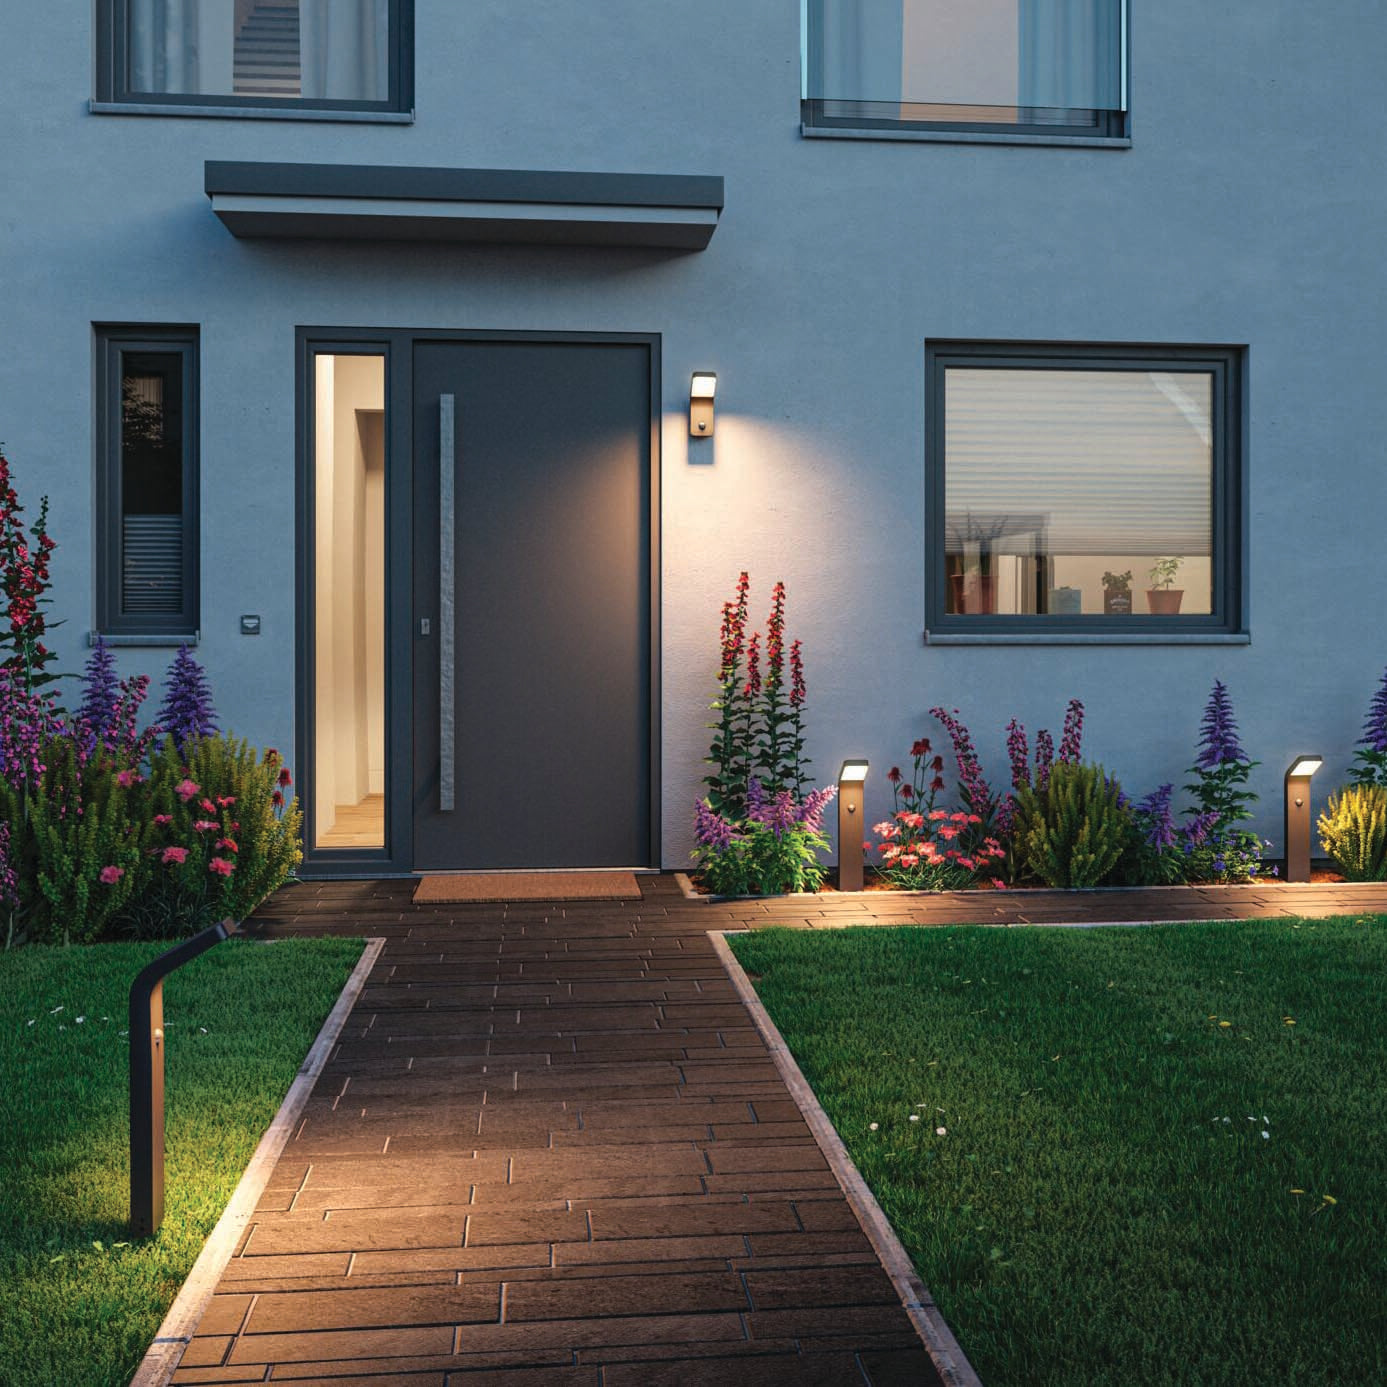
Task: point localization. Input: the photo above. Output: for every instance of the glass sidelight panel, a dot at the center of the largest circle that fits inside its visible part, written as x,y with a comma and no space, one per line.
348,790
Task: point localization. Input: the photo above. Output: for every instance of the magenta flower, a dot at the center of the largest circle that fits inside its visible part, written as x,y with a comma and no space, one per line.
111,875
221,866
163,820
174,856
186,790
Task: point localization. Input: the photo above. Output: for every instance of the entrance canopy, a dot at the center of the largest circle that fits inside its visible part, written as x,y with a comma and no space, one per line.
390,203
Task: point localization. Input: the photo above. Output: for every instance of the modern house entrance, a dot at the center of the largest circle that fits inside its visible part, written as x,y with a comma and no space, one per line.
481,692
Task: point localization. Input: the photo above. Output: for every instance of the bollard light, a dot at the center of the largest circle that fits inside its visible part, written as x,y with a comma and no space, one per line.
1298,816
147,1077
850,800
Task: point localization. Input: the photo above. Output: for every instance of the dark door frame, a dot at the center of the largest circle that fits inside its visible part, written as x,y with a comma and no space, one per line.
396,345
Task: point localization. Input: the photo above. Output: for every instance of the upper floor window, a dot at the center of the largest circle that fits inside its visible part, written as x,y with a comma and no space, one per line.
348,55
1028,67
1083,489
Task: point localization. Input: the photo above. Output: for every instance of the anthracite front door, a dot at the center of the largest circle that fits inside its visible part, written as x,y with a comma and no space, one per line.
532,604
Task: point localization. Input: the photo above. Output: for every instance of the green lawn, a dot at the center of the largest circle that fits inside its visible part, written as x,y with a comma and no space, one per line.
80,1302
1163,1155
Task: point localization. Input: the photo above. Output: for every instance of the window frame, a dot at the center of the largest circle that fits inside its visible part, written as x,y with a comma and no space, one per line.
113,343
1109,127
1227,621
112,64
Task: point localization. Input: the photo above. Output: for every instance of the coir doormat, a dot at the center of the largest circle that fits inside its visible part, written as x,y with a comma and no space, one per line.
527,886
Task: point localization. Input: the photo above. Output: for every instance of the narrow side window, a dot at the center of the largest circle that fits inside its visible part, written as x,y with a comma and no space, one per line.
147,447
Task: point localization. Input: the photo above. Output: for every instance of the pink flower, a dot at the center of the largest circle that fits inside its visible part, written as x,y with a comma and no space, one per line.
277,799
947,831
125,779
284,777
208,807
175,856
226,845
909,859
220,866
163,820
936,815
186,789
111,875
225,801
967,862
206,826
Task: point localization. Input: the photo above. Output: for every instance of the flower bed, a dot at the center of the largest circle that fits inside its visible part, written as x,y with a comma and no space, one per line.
1063,822
107,829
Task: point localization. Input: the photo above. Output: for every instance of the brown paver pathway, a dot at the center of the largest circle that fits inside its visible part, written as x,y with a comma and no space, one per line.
551,1148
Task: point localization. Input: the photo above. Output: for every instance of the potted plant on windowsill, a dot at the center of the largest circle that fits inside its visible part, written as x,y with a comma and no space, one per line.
1117,594
1162,597
973,585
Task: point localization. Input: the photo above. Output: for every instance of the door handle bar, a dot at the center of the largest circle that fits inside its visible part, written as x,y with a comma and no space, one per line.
447,608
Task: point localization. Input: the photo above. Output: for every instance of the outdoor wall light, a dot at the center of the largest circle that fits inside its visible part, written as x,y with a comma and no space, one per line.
850,798
701,392
1298,816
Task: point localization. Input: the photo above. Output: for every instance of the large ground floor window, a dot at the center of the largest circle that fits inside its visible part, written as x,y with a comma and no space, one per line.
1090,489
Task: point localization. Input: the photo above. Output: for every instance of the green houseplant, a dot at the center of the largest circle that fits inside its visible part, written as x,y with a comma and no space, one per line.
1163,598
1117,594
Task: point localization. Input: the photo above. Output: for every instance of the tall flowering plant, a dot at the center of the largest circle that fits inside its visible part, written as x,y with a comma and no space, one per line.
1370,763
1217,849
923,848
730,754
757,831
24,581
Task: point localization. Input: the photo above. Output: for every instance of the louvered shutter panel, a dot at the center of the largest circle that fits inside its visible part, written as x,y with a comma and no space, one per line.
152,564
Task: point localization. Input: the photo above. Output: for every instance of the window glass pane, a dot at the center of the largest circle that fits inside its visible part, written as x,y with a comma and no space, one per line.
1078,492
968,61
151,482
349,602
322,50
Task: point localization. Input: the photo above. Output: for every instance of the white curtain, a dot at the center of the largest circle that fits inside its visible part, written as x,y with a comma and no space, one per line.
1071,54
860,49
345,46
181,46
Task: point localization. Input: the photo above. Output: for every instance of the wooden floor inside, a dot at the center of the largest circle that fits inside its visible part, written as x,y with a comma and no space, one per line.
357,825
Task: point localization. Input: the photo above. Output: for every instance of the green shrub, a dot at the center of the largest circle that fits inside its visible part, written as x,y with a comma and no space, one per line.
221,836
1072,831
1353,831
85,843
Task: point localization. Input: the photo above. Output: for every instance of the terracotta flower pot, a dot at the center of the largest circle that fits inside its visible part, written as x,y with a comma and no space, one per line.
1164,601
980,593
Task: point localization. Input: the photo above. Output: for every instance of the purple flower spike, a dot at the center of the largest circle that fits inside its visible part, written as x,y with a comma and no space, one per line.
1018,753
1375,728
711,829
1044,758
1154,811
98,708
1073,733
187,711
1219,731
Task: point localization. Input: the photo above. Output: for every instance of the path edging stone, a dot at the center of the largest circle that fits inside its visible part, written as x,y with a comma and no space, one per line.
174,1335
948,1358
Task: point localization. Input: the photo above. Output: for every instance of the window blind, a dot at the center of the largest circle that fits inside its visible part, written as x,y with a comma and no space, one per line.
1075,462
